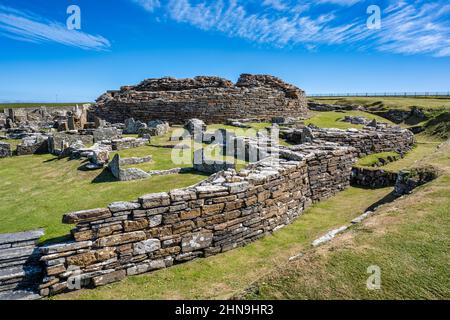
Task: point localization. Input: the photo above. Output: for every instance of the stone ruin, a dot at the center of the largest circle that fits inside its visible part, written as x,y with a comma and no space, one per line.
227,210
212,99
368,140
5,150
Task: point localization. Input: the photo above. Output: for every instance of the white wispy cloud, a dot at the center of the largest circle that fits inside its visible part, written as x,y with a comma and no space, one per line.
276,4
340,2
149,5
26,26
408,27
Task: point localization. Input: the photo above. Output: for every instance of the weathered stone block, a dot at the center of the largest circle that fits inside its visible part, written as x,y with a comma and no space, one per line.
135,225
197,241
190,214
64,247
105,254
86,215
123,206
155,221
155,200
54,270
109,278
212,209
147,246
5,150
21,236
82,260
118,239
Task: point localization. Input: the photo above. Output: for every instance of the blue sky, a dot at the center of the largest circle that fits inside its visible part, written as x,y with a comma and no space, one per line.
321,46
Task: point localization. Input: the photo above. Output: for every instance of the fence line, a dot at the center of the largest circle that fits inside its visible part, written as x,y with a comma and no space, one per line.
385,94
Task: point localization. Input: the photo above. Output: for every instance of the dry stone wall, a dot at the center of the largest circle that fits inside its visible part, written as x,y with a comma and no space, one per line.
373,178
211,99
20,269
228,210
369,140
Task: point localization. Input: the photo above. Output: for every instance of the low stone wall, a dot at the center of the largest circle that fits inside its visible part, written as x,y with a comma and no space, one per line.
325,107
408,180
373,178
128,143
20,269
211,99
58,141
226,211
34,144
128,174
369,140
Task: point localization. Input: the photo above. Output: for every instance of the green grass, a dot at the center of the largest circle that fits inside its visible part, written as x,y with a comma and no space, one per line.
250,132
404,103
224,275
37,104
333,119
373,159
407,239
425,146
37,190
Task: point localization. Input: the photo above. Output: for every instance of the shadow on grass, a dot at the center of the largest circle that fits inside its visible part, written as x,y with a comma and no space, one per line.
392,196
386,199
51,160
104,177
55,240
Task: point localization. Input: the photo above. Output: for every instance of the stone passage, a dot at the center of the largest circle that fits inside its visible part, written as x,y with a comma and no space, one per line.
212,99
228,210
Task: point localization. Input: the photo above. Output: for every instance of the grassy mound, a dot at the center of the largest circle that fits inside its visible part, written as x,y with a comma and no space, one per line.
439,125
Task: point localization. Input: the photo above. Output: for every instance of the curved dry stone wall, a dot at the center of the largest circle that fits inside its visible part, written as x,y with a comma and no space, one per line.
228,210
212,99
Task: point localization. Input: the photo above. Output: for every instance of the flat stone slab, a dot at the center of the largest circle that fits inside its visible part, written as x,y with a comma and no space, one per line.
329,236
19,295
123,206
18,272
86,216
14,253
64,247
21,236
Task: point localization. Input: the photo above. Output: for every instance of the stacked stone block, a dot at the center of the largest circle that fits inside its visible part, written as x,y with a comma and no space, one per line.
369,140
128,143
208,98
20,270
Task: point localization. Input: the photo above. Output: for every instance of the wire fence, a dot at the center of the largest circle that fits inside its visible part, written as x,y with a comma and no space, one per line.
385,94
